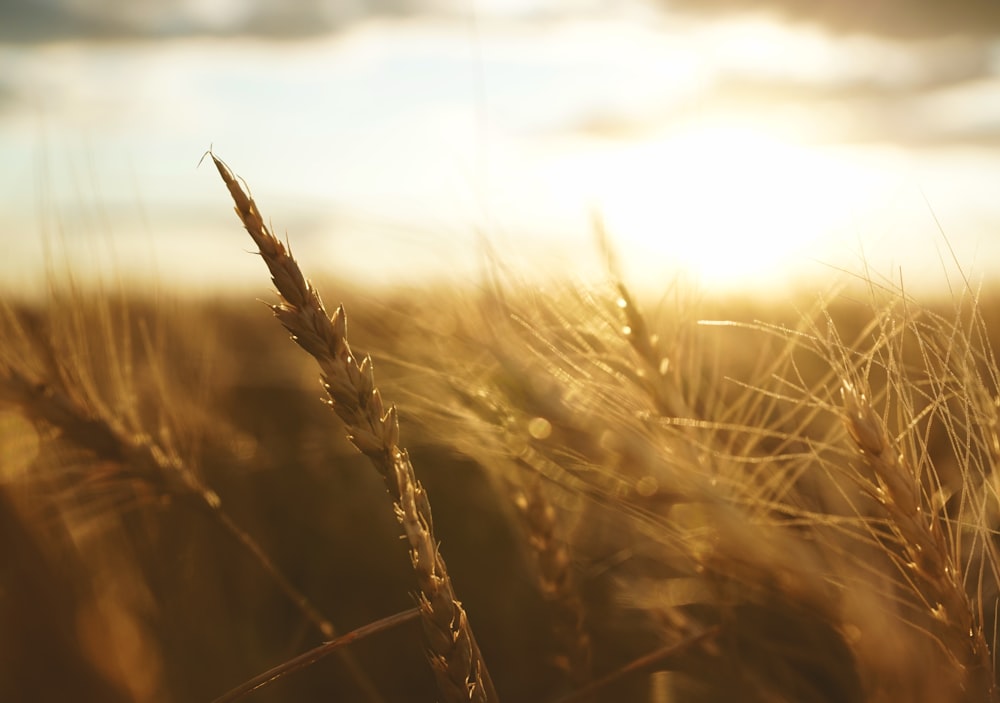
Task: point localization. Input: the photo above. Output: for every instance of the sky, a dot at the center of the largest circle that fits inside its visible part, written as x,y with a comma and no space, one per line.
741,144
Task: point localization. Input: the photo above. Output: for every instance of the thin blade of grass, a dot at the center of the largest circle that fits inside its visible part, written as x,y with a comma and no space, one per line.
314,655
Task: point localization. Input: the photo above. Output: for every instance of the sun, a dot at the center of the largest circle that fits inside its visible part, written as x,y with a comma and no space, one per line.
733,206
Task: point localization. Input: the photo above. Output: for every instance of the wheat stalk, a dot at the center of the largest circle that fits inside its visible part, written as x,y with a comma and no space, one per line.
556,583
138,456
315,654
920,534
453,653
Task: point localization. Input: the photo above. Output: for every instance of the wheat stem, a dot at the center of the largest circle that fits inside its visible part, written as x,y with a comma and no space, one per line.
314,655
453,653
920,534
142,457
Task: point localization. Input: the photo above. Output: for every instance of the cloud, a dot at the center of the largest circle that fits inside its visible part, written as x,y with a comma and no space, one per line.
964,113
35,20
819,86
896,18
7,96
29,21
917,93
24,21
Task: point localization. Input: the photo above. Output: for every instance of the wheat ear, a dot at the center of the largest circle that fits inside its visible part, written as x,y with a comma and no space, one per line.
920,534
556,584
139,456
453,653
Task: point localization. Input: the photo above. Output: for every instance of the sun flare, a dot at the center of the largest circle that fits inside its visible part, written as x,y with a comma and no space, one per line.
730,205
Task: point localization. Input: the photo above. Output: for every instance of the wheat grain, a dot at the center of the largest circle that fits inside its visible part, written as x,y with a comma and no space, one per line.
133,457
452,649
920,534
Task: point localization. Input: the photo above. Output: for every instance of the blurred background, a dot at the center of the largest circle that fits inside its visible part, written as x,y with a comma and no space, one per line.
748,144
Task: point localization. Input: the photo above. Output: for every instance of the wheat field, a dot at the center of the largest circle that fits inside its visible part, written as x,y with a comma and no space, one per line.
547,494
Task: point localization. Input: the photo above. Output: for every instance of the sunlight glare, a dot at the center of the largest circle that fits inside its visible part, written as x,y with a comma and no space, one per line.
731,205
